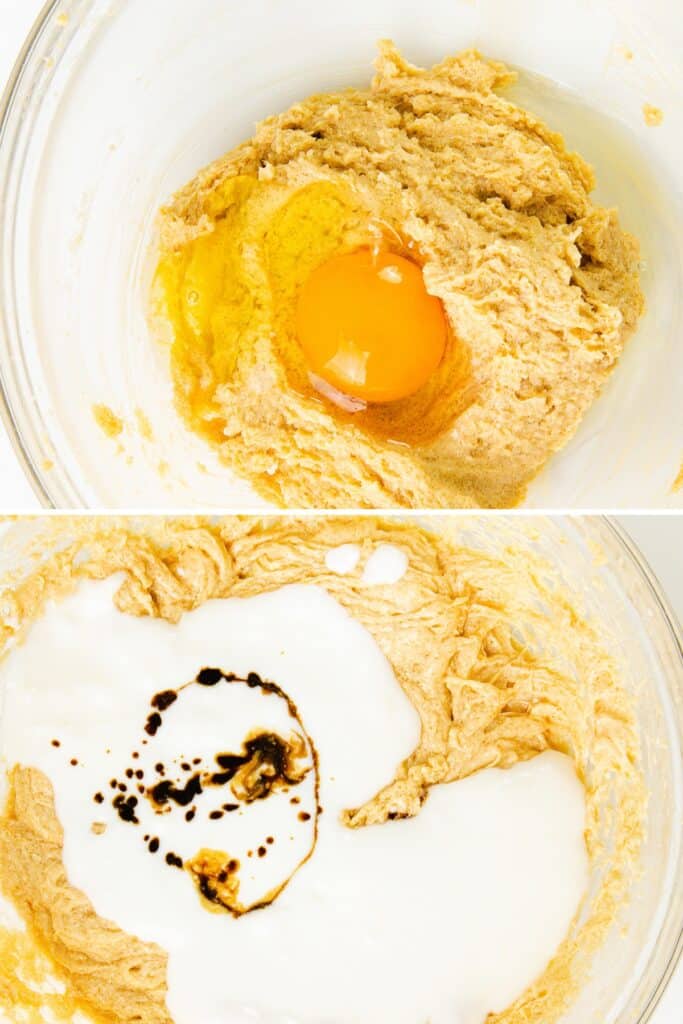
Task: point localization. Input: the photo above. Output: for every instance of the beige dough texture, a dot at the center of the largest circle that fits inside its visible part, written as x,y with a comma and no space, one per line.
539,284
468,637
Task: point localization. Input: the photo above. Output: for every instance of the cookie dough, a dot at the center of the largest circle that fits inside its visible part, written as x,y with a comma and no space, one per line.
540,287
498,665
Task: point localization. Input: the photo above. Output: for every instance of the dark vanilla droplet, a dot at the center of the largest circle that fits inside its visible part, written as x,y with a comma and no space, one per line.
162,701
125,808
181,795
209,676
153,723
267,764
56,743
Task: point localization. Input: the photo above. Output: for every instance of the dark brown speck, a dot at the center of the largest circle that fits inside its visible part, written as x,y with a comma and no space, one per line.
209,676
153,724
162,701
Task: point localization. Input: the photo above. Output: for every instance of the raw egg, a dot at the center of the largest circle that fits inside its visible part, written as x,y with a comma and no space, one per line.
369,327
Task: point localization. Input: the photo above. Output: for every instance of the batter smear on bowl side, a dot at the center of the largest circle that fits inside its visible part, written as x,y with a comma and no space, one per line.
399,296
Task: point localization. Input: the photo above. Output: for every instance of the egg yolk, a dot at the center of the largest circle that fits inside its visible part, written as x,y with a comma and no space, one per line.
368,326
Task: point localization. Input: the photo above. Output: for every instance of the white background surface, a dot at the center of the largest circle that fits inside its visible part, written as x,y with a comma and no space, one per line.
660,538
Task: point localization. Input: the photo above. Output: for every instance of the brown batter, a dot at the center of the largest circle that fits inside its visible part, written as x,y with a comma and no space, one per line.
540,287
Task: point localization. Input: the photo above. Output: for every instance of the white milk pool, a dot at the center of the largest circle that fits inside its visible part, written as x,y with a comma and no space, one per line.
395,924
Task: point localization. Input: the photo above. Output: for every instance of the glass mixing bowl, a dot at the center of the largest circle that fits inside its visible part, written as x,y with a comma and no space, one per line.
115,103
612,586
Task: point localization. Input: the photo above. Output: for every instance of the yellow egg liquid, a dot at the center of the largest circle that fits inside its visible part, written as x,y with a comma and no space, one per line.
231,292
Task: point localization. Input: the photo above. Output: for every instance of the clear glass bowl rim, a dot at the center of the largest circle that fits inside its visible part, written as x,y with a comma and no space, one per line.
19,105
